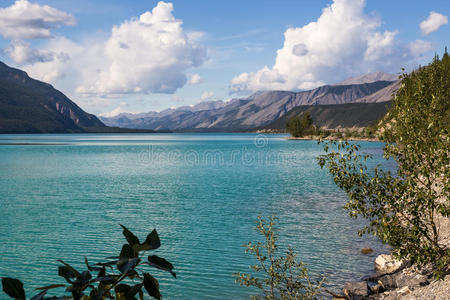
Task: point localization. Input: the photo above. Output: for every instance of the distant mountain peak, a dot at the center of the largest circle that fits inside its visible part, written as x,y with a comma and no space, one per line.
29,105
369,78
259,109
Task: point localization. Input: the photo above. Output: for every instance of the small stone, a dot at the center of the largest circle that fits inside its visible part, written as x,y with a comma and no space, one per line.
411,280
404,291
356,289
366,250
387,282
385,263
376,289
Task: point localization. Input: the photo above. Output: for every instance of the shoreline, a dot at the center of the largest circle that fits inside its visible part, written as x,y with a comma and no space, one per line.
316,138
395,280
400,280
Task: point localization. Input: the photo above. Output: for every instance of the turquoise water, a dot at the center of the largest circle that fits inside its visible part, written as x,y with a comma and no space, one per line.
63,197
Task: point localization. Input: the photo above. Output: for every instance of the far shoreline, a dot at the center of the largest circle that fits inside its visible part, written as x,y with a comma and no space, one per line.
316,138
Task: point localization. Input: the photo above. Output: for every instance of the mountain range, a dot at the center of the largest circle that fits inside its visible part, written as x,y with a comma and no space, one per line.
368,78
32,106
262,108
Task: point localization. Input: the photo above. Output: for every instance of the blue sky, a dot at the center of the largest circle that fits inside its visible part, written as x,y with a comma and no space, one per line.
113,56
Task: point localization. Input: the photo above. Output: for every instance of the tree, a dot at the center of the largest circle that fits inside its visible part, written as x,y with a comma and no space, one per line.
283,277
107,284
306,122
405,208
300,127
293,126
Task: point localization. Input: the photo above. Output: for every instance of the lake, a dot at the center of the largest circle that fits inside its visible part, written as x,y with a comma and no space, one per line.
63,196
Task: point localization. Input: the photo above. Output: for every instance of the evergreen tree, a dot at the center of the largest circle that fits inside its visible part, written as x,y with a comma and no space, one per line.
300,127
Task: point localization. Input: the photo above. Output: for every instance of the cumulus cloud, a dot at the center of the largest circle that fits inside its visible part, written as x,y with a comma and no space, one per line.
25,20
195,79
419,47
65,57
21,53
207,96
432,23
146,55
342,42
117,111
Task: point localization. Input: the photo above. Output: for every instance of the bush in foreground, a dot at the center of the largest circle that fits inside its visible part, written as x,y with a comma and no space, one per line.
278,276
107,284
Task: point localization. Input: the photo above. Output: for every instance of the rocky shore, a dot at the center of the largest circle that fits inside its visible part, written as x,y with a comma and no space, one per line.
400,280
396,280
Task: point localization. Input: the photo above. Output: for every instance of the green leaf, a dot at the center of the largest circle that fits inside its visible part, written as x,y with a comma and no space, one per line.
39,296
152,242
107,279
151,285
107,264
66,273
85,276
126,265
128,252
13,288
161,263
68,270
97,294
133,291
91,268
131,238
122,288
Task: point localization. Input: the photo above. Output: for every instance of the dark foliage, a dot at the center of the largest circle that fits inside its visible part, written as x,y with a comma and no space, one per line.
336,115
405,209
299,127
100,281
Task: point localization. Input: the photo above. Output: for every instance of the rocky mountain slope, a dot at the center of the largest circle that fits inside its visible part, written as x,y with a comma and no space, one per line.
258,110
368,78
29,105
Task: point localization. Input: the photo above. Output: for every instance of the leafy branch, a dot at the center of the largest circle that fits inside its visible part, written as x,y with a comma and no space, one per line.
110,275
279,276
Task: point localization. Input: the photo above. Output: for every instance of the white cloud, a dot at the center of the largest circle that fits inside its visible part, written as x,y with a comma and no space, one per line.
176,98
117,111
207,96
343,42
432,23
379,45
195,79
148,54
25,20
22,53
419,47
76,61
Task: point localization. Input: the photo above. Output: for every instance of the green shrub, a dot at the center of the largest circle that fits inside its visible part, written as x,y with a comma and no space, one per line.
405,208
279,277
